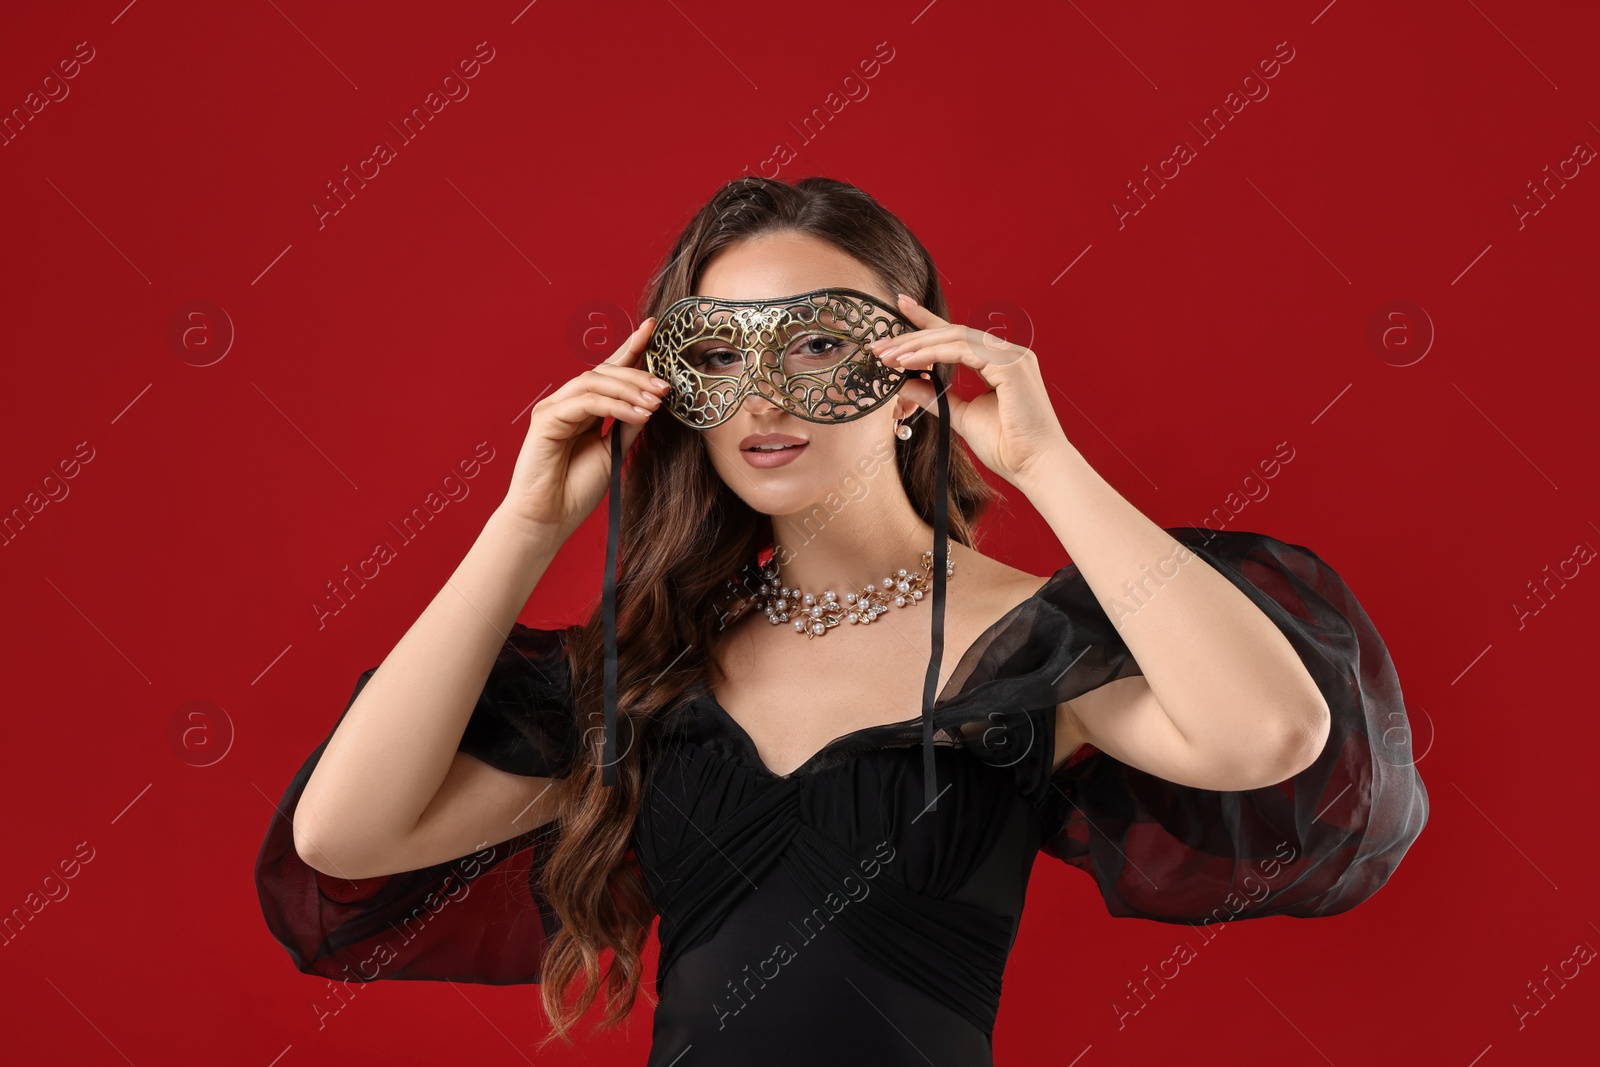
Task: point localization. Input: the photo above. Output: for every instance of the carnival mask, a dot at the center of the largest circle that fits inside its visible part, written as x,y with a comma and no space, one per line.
809,354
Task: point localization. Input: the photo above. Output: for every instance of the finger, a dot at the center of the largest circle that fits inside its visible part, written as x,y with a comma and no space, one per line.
950,352
630,433
621,383
918,314
637,378
631,384
636,341
925,396
576,410
910,342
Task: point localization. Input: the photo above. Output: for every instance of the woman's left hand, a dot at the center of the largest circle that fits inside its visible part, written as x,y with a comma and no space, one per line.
1011,427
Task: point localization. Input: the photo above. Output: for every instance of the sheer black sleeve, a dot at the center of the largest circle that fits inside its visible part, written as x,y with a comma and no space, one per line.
1316,844
478,918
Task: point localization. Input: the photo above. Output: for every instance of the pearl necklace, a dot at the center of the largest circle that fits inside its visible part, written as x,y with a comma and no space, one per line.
816,616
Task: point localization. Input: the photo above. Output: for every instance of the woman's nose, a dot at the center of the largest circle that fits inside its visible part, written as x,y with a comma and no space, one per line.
758,404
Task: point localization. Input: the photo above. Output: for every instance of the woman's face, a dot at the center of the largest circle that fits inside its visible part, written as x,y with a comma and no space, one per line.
836,456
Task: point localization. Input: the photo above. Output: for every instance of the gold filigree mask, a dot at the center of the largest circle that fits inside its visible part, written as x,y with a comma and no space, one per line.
810,354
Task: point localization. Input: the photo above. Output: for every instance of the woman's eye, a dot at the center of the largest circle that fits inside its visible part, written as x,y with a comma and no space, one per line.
717,358
815,348
828,344
726,357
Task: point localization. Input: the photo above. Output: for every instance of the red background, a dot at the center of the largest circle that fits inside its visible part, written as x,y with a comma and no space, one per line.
372,352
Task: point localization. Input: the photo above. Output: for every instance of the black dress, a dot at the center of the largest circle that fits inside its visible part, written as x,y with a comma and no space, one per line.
828,913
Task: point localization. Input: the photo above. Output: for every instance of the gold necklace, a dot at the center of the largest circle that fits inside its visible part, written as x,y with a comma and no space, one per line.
815,616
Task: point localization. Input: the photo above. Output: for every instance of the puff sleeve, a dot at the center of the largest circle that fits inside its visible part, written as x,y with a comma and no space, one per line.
1315,844
478,918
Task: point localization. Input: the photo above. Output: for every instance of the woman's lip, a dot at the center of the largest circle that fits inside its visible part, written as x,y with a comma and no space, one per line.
756,440
774,458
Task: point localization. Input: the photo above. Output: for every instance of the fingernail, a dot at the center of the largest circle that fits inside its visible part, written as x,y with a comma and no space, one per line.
659,384
640,410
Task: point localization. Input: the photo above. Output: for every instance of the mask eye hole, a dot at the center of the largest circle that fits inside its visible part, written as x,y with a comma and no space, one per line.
816,351
713,357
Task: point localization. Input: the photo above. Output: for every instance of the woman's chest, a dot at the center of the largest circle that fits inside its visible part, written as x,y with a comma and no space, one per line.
791,697
712,809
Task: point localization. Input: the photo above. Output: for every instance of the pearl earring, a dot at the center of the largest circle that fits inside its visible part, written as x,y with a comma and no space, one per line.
901,430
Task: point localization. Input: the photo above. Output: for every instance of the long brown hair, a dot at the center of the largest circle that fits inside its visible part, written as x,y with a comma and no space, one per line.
685,536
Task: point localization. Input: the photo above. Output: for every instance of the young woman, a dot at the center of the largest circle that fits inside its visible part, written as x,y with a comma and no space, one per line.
1205,721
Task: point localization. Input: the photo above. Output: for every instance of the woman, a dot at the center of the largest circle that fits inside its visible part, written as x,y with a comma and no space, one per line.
1206,722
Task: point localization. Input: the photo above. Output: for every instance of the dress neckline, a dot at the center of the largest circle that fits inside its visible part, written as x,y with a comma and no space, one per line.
708,699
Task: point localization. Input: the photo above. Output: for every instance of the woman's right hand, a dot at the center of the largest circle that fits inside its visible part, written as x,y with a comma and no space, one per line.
564,467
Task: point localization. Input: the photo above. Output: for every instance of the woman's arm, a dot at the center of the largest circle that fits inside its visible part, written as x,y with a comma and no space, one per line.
391,792
1224,703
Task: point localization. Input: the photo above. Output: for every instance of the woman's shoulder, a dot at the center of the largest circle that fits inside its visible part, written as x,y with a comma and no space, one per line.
999,584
